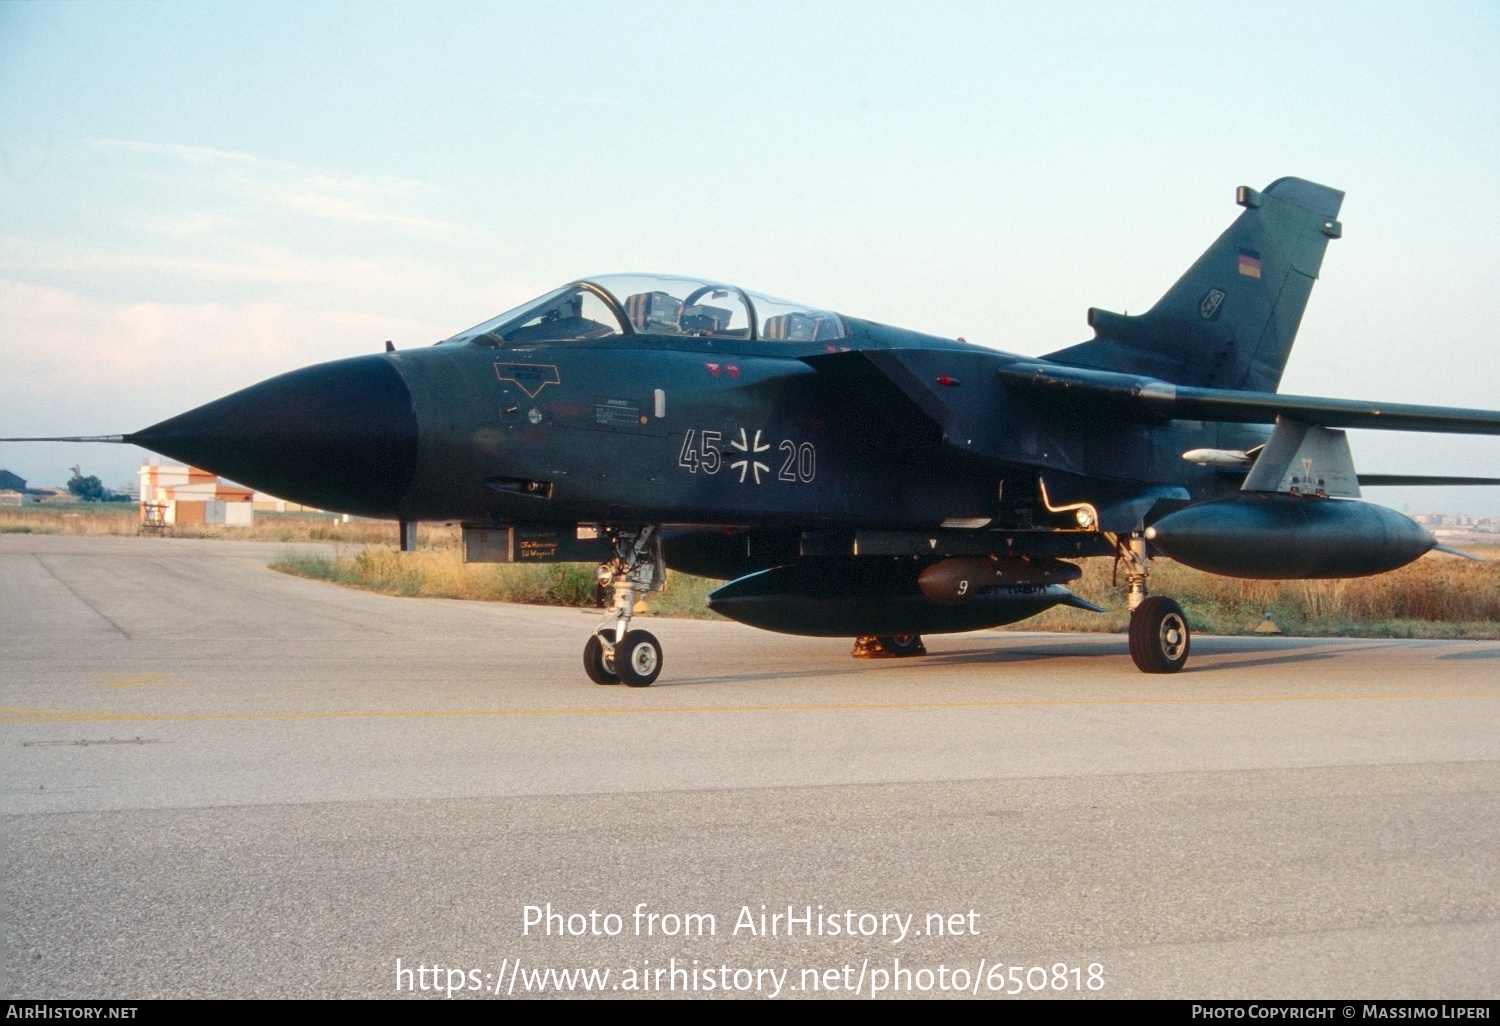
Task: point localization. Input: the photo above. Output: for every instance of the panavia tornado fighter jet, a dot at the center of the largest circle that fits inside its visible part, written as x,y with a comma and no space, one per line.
850,479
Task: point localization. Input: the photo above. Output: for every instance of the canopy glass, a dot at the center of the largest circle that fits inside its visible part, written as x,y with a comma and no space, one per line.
654,304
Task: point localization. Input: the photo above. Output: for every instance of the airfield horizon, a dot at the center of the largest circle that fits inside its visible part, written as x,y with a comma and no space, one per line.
1437,597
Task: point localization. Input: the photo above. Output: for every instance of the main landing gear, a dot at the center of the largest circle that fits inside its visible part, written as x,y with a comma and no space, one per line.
1159,634
888,646
615,654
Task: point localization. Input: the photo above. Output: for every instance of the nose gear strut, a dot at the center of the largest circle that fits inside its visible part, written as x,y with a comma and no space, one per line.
615,654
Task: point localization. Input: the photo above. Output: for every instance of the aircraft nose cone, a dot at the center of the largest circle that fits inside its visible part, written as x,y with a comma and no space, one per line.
340,436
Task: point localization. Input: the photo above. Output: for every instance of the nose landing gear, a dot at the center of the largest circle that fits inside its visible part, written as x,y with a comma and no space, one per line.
638,659
615,654
599,661
1159,633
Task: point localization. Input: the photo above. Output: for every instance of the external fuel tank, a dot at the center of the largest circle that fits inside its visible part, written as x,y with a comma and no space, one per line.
1290,537
864,595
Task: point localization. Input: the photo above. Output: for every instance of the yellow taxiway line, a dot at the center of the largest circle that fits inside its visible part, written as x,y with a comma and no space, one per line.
161,680
14,716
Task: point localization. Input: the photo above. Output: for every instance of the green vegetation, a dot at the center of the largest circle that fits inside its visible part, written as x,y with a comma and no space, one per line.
107,509
1436,597
87,488
91,489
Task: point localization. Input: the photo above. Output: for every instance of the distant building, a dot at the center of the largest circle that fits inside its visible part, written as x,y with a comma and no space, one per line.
183,496
1457,526
267,503
11,483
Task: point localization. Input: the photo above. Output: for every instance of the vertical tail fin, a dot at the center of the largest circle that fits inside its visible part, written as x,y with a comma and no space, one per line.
1230,321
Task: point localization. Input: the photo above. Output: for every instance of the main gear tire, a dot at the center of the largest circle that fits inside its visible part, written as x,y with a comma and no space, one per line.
887,646
599,661
638,659
902,645
1159,636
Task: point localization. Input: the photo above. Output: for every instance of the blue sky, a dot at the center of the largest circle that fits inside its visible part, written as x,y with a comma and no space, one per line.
198,196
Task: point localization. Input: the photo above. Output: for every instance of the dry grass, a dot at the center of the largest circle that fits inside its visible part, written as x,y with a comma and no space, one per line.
442,575
123,518
1436,597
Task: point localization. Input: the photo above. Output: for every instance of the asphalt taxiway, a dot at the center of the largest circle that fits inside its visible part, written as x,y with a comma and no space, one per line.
223,781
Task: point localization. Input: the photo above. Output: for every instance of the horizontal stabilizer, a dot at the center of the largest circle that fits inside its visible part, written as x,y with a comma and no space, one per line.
1151,400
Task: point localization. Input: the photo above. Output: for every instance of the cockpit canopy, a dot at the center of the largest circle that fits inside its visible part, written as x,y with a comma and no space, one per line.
654,304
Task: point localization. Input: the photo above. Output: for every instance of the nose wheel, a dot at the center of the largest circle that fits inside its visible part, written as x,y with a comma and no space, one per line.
599,661
615,654
638,659
634,661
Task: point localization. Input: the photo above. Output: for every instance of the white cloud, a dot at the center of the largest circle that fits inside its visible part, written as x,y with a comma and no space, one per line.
187,225
235,261
365,199
138,362
151,222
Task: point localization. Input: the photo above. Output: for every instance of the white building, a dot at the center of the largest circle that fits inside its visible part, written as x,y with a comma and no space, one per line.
184,496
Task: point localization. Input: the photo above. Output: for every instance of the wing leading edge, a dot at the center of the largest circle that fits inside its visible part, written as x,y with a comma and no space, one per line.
920,384
1128,397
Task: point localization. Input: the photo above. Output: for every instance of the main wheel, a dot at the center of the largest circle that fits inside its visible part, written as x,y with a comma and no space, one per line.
902,644
1159,636
638,659
599,661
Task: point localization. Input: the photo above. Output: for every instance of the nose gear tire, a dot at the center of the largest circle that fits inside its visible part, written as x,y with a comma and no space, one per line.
638,659
1159,636
599,661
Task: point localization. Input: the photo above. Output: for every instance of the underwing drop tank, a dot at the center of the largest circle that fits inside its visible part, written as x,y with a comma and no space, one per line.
1289,537
840,597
